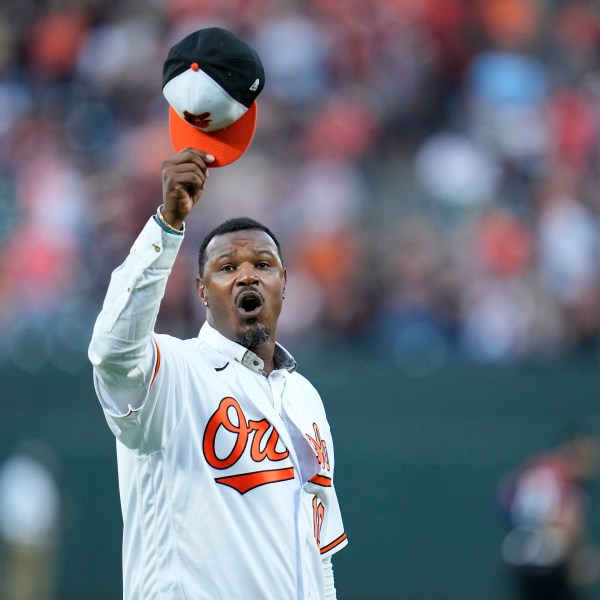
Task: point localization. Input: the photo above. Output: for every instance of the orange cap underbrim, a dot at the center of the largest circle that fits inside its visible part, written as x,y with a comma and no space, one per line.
226,145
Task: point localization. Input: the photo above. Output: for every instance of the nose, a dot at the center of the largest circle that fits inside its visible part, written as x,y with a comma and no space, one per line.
247,275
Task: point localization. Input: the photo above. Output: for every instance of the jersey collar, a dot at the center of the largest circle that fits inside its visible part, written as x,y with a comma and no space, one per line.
281,357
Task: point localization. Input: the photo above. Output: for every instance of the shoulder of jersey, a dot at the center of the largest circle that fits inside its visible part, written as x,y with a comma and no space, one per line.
191,348
213,358
310,393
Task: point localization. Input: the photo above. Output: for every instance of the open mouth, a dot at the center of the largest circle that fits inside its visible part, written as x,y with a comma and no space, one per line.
249,303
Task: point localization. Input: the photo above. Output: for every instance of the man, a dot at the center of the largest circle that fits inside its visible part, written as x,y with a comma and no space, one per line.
224,451
546,508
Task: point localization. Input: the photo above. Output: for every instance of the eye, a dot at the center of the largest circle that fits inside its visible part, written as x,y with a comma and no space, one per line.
263,264
227,268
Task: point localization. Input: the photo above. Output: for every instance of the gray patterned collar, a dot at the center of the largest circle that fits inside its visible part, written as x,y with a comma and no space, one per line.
282,359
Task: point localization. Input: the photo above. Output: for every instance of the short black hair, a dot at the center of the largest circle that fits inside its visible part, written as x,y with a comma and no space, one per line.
230,226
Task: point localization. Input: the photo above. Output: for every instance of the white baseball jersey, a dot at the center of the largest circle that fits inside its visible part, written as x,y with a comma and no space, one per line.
225,474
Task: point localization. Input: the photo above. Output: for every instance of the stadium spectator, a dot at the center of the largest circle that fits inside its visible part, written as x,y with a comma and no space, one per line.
478,120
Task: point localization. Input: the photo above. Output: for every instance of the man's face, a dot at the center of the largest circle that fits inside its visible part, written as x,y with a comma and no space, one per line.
243,284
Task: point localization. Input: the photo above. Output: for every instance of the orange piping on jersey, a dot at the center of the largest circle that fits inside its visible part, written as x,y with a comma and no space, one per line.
248,481
321,480
157,365
333,544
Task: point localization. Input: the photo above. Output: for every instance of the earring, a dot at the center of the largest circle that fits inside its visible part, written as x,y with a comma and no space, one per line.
205,303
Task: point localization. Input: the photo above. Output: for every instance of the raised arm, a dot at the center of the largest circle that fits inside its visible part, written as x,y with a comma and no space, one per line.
121,350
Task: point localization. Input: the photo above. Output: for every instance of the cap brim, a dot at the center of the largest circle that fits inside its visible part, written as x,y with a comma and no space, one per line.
226,145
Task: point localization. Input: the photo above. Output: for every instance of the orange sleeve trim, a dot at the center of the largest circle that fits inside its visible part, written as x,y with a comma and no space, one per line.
157,365
321,480
333,544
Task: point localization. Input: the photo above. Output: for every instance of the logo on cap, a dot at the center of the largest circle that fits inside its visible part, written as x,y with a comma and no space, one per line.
202,120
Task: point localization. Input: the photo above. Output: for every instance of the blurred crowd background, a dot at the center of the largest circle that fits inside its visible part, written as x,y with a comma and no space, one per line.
430,166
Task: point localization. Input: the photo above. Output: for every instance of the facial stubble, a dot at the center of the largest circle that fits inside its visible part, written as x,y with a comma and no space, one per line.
254,336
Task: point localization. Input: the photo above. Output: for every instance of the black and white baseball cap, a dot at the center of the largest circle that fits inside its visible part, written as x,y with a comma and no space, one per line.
211,80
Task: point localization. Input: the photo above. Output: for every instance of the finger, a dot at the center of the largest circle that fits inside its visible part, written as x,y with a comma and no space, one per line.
184,173
205,156
189,187
188,174
193,165
199,157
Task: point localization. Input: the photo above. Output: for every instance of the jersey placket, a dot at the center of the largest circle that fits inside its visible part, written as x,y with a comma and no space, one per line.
276,381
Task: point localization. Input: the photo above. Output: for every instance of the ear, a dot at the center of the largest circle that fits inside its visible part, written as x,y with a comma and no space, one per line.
201,289
284,282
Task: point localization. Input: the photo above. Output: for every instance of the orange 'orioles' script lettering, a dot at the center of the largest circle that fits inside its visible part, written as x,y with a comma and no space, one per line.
320,447
318,517
263,439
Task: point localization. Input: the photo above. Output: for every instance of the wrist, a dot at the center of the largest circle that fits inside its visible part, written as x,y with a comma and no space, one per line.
169,223
171,218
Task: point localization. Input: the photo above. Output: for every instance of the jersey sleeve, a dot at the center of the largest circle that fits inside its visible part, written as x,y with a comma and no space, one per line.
147,427
326,514
121,349
320,489
125,354
333,535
